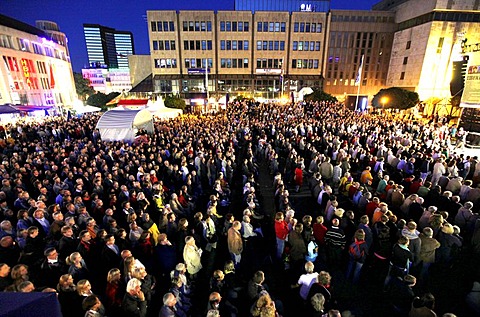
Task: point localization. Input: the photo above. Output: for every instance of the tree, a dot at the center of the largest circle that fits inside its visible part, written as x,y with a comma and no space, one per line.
82,86
320,95
98,100
175,102
395,98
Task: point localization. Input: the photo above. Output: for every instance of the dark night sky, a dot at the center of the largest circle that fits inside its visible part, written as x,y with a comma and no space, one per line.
125,15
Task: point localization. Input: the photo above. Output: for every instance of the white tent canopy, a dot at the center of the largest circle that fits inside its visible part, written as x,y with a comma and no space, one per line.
87,108
123,125
159,110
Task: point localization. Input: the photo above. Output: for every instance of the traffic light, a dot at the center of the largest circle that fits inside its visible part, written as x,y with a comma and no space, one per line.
458,76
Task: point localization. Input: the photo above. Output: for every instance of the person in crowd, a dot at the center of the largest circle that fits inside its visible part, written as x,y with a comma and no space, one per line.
133,303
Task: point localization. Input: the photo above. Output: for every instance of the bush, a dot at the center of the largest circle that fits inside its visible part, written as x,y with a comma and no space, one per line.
175,102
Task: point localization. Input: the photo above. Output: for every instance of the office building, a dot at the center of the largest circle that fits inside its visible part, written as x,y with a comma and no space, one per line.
257,55
351,35
35,68
283,5
108,50
107,47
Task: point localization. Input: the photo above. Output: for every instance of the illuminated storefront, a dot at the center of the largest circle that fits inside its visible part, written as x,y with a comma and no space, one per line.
35,69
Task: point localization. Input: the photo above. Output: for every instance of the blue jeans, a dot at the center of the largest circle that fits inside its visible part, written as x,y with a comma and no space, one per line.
280,247
356,268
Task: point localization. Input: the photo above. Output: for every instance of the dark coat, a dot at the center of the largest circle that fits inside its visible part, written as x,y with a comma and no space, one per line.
132,306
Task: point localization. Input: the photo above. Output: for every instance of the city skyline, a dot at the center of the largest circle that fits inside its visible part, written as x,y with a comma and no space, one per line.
128,16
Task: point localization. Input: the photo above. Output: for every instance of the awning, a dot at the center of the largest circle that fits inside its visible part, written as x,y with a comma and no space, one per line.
304,77
166,77
133,102
4,109
234,76
32,108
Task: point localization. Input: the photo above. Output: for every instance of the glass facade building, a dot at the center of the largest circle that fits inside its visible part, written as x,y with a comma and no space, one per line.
283,5
107,47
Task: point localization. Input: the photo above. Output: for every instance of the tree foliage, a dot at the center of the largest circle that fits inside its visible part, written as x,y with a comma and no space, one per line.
395,98
320,95
175,102
82,86
100,99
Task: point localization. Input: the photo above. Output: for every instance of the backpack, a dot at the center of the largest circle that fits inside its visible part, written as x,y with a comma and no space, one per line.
355,251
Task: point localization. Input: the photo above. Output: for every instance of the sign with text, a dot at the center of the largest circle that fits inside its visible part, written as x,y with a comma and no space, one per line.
471,92
268,71
197,71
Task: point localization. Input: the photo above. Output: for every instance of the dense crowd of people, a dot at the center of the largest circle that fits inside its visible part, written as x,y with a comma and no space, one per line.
176,223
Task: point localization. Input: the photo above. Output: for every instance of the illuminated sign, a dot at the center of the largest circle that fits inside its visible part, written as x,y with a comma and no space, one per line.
268,71
26,72
304,7
197,71
471,92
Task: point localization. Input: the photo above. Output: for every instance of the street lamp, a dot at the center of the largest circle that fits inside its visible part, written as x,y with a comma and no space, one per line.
384,100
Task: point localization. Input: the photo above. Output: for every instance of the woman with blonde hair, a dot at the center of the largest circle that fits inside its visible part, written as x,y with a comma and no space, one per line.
114,292
66,290
317,303
78,268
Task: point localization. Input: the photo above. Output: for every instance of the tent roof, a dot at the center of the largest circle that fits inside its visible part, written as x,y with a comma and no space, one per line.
8,109
123,119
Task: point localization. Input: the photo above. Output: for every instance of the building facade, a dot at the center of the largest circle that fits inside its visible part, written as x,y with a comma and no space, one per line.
428,40
107,46
351,35
108,80
35,68
108,51
283,5
257,55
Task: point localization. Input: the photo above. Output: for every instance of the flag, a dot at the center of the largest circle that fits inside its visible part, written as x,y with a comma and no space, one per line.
227,99
359,74
52,79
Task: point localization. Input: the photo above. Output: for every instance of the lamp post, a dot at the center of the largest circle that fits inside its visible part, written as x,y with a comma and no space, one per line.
384,100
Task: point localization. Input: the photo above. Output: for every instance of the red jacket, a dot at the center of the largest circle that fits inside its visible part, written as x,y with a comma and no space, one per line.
281,229
319,231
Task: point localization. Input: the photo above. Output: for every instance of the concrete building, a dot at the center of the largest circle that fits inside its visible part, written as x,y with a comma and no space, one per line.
258,55
351,35
428,39
35,68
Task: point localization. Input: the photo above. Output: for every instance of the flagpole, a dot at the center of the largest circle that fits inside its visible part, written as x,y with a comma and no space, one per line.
360,72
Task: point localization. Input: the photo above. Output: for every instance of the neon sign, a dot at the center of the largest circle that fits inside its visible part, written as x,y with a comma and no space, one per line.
26,72
304,7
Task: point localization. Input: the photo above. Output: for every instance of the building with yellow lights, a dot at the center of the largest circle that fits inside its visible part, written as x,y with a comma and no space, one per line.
35,66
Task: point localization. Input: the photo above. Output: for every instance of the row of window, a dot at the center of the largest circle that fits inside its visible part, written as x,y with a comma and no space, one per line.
306,46
234,63
24,45
347,18
204,45
198,62
165,63
271,26
305,63
270,45
307,27
234,26
234,45
270,63
197,26
166,45
162,26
